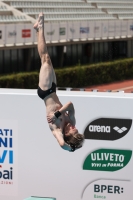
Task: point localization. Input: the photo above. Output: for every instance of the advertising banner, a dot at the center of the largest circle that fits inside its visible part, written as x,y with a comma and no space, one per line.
84,30
91,29
111,28
101,169
19,38
11,34
71,30
130,28
124,28
2,34
118,26
76,27
8,158
104,27
63,30
49,32
27,33
34,36
54,33
97,29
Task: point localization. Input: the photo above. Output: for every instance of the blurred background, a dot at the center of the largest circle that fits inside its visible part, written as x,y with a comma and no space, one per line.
91,41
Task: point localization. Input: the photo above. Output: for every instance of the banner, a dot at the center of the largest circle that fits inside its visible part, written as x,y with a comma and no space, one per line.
130,28
48,32
84,30
8,158
91,29
63,31
11,34
111,28
124,28
104,29
54,31
27,33
19,38
32,163
117,28
71,30
2,35
76,28
97,29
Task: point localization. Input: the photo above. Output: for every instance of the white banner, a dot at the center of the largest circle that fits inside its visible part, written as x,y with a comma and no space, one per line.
71,31
104,27
84,30
111,28
27,33
76,27
19,38
54,31
124,28
48,32
91,29
2,34
8,158
11,34
97,29
63,31
130,28
117,28
31,158
34,35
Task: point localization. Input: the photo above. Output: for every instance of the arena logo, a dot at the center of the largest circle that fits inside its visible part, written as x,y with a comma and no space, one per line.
107,129
0,34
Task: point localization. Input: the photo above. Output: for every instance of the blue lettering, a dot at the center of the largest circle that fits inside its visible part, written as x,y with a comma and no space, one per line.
3,156
10,142
3,142
11,157
6,130
10,132
1,133
2,159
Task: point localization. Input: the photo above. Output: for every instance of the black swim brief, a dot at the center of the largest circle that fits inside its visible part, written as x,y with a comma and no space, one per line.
42,94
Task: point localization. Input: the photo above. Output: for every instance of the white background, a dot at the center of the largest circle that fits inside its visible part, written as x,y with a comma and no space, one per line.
44,169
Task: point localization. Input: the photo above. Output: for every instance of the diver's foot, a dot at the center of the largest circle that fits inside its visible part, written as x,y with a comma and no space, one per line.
36,26
41,20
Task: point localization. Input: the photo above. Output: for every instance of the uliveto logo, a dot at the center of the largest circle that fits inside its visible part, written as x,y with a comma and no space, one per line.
107,160
107,129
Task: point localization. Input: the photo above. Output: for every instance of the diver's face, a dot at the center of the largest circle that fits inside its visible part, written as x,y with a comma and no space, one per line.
70,130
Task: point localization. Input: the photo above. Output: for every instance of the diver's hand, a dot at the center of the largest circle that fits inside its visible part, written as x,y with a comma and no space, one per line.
51,118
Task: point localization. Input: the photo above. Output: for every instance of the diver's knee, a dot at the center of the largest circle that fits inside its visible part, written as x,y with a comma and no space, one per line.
45,58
